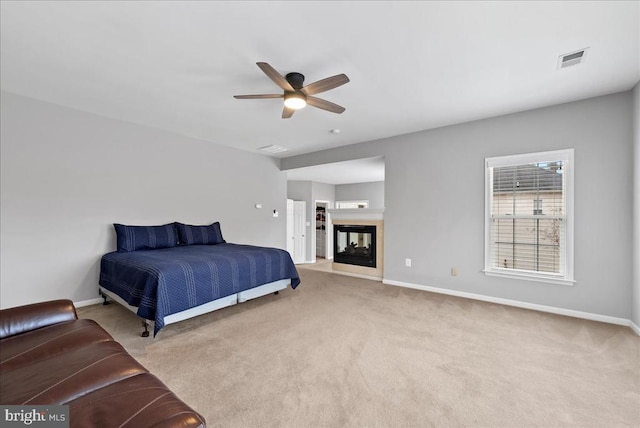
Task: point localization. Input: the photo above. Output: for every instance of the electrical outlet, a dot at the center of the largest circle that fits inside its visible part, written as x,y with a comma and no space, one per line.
407,262
454,271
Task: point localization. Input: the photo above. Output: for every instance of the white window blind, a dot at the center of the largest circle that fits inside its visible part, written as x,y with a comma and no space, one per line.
529,202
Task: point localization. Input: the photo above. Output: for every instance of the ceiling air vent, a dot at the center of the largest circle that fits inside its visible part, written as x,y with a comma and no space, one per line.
272,149
572,58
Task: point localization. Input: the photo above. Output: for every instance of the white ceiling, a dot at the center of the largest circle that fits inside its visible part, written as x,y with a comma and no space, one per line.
413,65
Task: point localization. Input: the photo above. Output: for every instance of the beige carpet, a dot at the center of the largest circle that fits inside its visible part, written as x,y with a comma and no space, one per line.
342,351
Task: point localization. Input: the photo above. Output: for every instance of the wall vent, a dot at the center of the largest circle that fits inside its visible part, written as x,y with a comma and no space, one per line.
272,149
572,58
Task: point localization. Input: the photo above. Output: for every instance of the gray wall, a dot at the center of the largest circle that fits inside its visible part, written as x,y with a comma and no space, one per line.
373,192
434,201
635,317
68,175
323,192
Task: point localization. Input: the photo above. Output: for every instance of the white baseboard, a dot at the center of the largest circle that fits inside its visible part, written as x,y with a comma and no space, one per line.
634,327
519,304
88,302
507,302
357,275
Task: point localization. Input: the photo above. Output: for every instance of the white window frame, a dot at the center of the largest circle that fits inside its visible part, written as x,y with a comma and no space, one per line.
342,205
566,276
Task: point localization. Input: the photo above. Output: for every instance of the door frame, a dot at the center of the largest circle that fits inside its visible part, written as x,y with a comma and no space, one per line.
302,245
328,241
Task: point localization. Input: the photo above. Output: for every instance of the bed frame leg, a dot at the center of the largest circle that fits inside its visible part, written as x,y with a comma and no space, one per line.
145,333
104,297
276,293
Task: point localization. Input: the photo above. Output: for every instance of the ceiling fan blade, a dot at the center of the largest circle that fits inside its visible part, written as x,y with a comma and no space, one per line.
275,76
255,97
287,112
325,84
325,105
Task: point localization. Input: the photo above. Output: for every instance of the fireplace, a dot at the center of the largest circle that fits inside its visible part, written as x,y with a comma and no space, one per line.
354,245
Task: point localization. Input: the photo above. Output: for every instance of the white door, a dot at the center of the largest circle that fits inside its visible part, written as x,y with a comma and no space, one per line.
299,229
290,236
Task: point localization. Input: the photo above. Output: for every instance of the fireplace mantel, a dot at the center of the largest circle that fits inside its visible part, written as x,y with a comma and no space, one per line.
357,214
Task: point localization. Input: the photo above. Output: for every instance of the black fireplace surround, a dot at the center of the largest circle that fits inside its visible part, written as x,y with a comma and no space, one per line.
354,245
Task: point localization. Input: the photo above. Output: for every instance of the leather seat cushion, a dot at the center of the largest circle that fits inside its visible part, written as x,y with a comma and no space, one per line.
141,400
69,375
23,349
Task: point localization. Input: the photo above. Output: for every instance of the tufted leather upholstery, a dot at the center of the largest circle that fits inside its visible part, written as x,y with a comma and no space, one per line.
48,356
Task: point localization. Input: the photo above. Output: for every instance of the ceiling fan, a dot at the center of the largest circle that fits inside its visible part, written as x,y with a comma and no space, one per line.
297,96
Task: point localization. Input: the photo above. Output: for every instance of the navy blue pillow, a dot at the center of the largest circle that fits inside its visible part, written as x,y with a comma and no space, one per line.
131,238
200,235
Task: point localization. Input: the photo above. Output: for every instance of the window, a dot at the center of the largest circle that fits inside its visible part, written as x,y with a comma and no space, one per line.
529,216
340,205
537,206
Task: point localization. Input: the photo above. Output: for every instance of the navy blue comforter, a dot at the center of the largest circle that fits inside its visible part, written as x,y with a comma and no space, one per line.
165,281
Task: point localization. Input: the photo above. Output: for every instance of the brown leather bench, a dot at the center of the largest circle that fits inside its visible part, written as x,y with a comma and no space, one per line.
49,356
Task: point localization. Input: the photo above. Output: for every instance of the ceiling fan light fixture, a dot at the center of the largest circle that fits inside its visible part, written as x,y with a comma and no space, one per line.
295,100
297,96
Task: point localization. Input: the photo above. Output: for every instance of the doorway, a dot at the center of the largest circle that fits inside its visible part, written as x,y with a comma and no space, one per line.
323,230
296,226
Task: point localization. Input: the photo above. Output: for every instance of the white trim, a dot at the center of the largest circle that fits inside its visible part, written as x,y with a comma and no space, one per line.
357,275
518,304
634,327
263,290
351,202
529,276
214,305
565,155
542,308
89,302
328,228
569,218
205,308
537,157
113,296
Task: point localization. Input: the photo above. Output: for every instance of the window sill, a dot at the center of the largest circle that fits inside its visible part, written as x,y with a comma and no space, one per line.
529,277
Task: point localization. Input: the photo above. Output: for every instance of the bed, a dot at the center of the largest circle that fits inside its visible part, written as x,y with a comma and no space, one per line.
166,279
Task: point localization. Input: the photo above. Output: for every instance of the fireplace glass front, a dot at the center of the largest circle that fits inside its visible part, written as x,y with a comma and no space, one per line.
354,245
